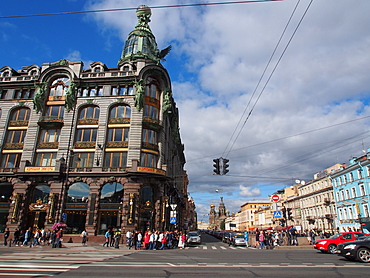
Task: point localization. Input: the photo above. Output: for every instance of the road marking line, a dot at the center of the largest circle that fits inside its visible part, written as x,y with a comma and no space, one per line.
39,266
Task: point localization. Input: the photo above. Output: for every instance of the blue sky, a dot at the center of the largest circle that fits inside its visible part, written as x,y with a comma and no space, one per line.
310,114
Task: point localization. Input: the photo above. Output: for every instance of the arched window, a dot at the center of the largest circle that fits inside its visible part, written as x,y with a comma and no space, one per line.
78,193
21,114
111,192
59,86
118,133
87,113
41,192
120,111
152,88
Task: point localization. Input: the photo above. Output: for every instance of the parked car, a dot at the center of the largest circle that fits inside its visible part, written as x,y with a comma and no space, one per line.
329,245
355,250
237,239
193,237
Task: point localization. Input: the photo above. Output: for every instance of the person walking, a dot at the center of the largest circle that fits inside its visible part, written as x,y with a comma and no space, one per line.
151,241
139,240
53,239
84,237
111,238
16,235
117,238
312,237
246,238
6,236
27,237
261,239
129,238
163,242
106,236
59,238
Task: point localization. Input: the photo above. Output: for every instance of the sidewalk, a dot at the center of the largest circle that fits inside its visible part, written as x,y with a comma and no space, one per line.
94,246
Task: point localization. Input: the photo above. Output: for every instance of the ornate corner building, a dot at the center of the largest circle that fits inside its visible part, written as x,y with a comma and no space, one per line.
95,148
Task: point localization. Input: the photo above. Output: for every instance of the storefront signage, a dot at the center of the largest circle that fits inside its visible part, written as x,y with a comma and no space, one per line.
72,206
39,169
151,170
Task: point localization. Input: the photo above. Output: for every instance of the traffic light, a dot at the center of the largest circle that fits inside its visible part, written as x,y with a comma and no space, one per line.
217,166
284,212
225,166
289,213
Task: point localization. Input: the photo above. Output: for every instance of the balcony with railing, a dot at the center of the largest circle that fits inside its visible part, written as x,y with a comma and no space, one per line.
117,144
48,145
152,123
146,145
19,123
119,120
13,146
85,145
88,121
50,122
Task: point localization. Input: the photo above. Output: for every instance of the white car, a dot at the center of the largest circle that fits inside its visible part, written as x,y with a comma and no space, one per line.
237,239
193,238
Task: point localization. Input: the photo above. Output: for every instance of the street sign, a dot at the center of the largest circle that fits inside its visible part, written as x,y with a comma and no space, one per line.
173,206
275,198
172,220
277,214
64,217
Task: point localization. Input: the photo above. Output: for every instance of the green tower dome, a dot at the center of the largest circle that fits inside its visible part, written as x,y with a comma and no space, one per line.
141,43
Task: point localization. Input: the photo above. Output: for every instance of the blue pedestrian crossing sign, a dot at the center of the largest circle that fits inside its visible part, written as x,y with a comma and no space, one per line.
277,214
172,220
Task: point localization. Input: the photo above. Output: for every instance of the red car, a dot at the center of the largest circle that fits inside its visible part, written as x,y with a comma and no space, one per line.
330,244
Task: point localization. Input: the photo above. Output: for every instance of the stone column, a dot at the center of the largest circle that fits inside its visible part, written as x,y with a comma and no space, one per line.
93,207
130,211
57,189
18,208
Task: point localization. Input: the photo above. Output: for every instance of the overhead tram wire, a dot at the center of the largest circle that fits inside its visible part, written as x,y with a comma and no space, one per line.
260,80
273,71
152,7
289,136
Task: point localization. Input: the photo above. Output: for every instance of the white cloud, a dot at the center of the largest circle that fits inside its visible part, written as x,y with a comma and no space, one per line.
221,52
249,192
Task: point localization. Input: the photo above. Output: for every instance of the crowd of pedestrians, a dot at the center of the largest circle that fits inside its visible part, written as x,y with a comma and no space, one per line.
270,239
149,240
34,237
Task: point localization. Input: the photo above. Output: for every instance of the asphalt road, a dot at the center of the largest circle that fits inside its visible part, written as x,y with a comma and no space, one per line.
211,259
216,259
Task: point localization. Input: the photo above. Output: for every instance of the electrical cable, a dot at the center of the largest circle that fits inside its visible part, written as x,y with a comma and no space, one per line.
273,71
130,9
260,80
